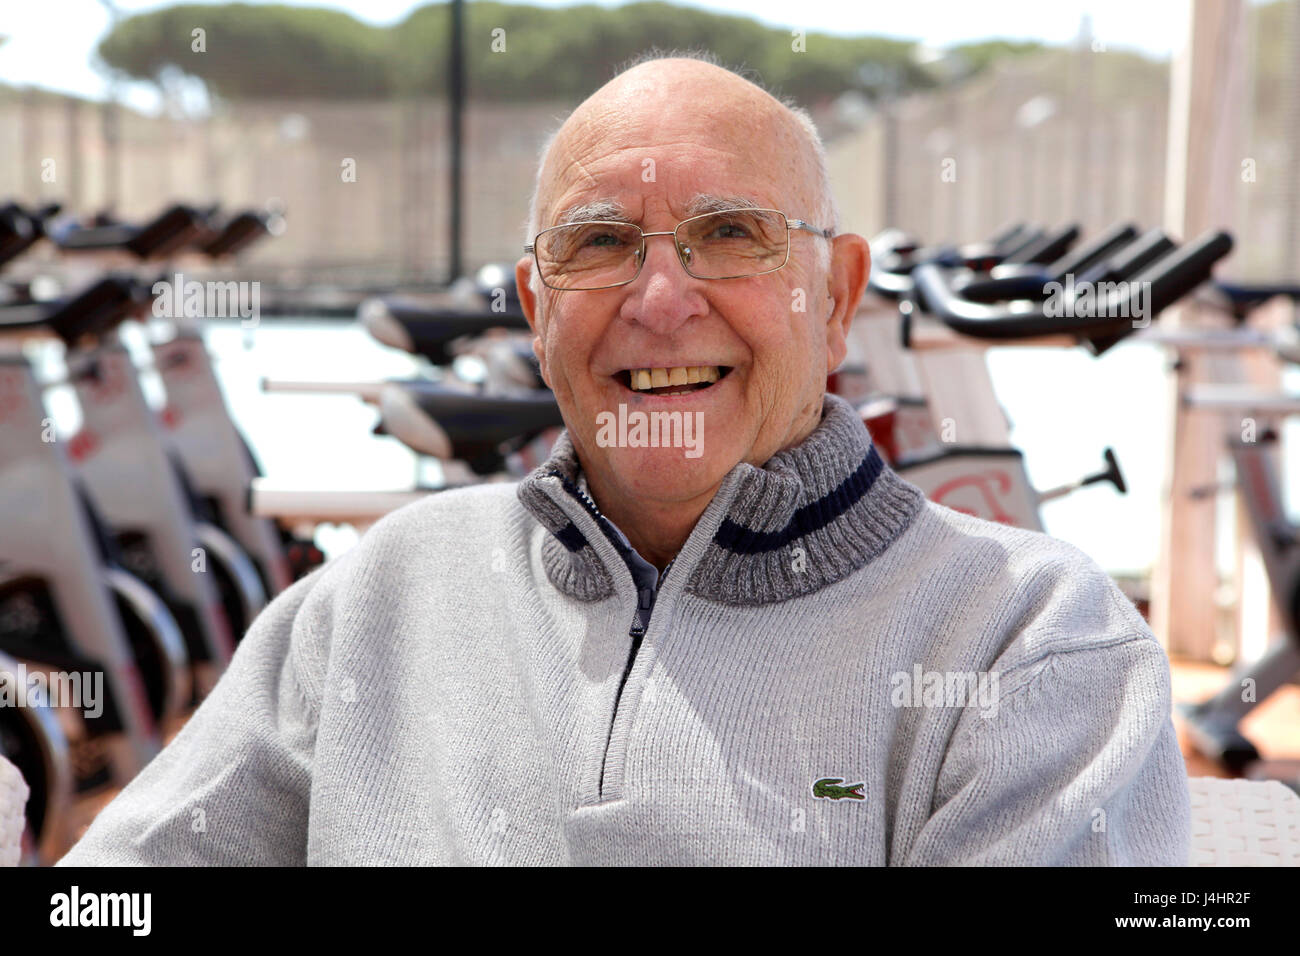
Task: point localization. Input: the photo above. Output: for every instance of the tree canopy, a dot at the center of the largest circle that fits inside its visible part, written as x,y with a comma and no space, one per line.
255,52
273,51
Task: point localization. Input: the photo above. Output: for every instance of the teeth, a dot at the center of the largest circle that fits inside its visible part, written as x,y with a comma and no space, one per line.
642,379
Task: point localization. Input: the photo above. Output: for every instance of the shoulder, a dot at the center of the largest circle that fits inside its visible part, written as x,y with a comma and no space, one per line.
444,530
437,549
434,540
446,516
1047,595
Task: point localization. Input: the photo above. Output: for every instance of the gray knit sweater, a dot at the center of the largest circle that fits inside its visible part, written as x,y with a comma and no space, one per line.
832,671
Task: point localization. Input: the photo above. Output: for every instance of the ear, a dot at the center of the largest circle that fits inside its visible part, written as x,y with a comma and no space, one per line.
845,285
528,302
523,286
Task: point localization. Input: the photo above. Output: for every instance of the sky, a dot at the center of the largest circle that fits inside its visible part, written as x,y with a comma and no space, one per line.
51,42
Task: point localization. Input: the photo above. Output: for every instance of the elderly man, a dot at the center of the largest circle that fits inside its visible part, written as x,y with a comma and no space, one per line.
752,644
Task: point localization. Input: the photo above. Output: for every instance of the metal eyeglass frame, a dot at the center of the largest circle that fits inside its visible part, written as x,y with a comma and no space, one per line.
530,248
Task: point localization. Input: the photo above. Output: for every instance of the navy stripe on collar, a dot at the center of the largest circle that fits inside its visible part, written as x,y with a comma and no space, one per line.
571,537
811,517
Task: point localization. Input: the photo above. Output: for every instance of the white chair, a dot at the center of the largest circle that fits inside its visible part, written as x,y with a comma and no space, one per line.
13,798
1244,823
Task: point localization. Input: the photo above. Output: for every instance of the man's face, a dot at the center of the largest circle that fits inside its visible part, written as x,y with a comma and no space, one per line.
768,335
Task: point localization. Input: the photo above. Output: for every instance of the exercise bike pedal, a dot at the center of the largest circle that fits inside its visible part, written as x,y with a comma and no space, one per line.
1218,738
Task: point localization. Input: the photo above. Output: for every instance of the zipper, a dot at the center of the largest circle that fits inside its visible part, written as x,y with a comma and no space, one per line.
645,600
647,590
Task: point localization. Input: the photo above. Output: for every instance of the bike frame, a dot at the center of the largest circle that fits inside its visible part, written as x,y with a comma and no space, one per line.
47,535
122,455
217,459
1213,725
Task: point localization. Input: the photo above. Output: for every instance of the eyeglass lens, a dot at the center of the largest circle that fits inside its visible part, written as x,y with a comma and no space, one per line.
721,245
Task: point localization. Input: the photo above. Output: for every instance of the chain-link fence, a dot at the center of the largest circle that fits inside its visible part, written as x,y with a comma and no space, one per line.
364,185
1068,135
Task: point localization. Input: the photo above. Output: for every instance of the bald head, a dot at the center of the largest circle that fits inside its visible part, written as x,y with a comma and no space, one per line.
667,100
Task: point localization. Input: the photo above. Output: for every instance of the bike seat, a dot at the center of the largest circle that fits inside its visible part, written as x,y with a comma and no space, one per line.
1244,297
430,332
466,425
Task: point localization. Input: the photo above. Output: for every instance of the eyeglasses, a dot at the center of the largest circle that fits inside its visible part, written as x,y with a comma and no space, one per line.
728,244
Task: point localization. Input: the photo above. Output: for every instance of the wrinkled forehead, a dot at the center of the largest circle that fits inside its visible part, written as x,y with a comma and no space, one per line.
626,150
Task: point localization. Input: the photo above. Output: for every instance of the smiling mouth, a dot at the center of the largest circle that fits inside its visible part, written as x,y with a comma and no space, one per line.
680,380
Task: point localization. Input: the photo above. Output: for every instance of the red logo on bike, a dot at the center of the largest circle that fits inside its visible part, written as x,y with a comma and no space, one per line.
988,485
82,445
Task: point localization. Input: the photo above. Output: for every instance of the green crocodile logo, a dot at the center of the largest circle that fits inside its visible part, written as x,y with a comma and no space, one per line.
828,788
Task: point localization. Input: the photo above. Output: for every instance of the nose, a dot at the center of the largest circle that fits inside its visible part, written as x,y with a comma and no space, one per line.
663,297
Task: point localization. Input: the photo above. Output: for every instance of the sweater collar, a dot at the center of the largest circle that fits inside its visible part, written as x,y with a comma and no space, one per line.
812,515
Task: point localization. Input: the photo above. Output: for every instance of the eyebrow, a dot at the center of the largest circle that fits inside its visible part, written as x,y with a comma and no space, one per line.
705,202
600,209
610,210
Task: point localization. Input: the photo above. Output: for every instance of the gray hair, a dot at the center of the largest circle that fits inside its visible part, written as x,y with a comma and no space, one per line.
826,211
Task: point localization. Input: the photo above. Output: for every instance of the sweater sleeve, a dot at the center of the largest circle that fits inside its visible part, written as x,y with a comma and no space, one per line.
233,787
1078,765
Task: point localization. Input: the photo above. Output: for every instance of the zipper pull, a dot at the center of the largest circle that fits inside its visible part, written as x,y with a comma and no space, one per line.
644,602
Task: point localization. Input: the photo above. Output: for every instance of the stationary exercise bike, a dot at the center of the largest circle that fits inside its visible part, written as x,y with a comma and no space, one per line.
989,479
1213,724
66,601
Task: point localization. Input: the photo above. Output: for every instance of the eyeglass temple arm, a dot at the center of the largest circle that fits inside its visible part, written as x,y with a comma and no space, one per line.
809,227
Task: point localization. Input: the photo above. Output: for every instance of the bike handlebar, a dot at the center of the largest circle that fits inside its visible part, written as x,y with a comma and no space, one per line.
1017,281
893,251
1162,284
1018,248
173,229
1008,235
21,228
1047,248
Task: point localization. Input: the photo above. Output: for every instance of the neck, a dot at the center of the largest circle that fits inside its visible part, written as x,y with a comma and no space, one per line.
657,530
808,517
